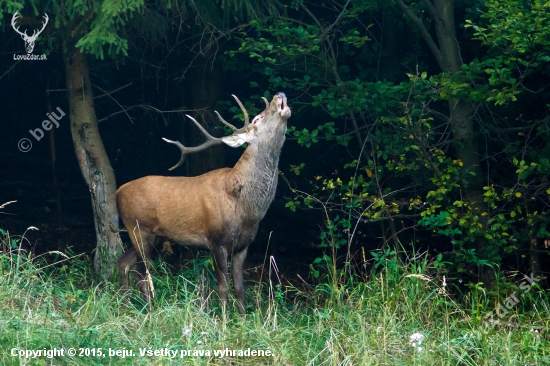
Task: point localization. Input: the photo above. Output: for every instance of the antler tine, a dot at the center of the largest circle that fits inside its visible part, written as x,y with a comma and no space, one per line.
210,141
204,132
16,16
182,148
225,122
46,18
246,119
266,102
36,32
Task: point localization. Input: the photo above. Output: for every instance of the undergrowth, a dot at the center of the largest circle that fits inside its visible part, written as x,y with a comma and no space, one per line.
55,302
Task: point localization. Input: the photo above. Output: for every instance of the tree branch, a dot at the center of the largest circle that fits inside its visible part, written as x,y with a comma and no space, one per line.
432,10
111,92
339,16
423,32
11,68
105,93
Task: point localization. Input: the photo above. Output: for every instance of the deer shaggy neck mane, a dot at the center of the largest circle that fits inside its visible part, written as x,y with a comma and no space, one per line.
254,178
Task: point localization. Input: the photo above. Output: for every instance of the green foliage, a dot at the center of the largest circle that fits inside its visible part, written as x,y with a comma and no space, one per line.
276,48
92,26
385,259
307,138
332,236
404,164
519,41
105,29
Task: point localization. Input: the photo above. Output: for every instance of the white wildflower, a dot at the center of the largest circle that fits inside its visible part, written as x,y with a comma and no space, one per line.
416,341
416,337
443,286
187,330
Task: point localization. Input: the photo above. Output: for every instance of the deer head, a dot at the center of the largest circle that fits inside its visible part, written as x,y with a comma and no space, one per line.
29,40
275,111
219,211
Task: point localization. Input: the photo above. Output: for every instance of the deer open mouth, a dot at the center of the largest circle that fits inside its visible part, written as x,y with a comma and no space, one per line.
282,99
283,103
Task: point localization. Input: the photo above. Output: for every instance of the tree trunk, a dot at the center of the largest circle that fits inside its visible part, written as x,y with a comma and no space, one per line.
206,88
461,116
466,148
55,171
94,163
447,53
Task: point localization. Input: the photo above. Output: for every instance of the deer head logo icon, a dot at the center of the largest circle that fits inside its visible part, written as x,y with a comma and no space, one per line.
29,40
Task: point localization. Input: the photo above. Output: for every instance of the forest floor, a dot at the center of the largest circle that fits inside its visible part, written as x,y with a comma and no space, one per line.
54,306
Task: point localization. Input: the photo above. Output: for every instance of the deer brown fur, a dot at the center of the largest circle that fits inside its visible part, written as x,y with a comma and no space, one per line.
219,211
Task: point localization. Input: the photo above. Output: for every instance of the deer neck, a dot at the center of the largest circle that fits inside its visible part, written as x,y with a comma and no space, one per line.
254,178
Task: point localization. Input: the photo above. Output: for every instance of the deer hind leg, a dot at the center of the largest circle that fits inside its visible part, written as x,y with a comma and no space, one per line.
143,241
220,267
143,266
125,262
237,266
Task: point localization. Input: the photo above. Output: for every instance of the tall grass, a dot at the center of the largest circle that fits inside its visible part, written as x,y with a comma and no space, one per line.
360,321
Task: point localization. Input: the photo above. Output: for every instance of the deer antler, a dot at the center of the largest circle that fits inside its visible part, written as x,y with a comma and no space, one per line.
210,140
16,16
24,34
246,119
37,32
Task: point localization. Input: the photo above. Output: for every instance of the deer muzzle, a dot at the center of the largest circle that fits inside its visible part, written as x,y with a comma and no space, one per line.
282,105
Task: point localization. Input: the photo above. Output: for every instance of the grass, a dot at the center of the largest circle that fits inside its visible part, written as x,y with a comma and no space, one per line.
365,321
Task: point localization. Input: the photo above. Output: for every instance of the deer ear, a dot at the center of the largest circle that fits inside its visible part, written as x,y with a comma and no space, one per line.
237,139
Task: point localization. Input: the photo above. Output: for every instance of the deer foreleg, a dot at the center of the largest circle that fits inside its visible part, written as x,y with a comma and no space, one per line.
237,266
220,266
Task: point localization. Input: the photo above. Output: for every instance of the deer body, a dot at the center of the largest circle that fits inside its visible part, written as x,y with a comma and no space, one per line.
219,211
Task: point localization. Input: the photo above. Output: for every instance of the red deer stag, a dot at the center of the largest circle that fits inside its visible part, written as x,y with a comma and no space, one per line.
219,210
